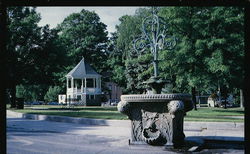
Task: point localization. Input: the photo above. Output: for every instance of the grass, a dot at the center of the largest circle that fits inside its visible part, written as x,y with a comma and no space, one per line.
202,114
86,112
209,114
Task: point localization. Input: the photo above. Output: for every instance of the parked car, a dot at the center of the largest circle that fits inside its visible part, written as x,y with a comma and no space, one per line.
217,103
229,104
41,102
27,103
113,104
53,103
35,103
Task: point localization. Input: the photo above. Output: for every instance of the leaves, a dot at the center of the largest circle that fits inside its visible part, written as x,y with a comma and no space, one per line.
52,93
84,35
209,50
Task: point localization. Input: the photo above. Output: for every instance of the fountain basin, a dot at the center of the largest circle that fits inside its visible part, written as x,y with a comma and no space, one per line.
156,119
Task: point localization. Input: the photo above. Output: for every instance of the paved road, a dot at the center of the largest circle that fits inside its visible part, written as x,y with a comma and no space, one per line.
25,136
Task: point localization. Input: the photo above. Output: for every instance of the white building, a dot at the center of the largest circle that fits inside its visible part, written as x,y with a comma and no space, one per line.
83,85
115,92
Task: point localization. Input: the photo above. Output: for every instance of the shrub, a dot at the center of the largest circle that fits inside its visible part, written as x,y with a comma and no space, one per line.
52,93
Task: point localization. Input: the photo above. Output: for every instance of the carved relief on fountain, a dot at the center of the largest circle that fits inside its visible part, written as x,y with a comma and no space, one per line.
156,119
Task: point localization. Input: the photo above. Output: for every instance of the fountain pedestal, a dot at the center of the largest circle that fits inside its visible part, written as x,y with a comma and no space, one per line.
156,119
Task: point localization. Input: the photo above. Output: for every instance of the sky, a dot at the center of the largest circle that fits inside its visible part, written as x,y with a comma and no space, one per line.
108,15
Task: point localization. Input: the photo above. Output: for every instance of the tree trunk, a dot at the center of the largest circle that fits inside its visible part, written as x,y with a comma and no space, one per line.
12,96
194,98
241,98
225,104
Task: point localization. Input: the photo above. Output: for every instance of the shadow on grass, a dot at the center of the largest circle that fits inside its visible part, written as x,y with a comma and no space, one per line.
80,108
85,114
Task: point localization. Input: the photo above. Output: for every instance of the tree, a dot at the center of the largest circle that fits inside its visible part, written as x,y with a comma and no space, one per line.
127,71
208,45
22,39
227,46
52,94
209,52
31,92
115,62
84,35
33,51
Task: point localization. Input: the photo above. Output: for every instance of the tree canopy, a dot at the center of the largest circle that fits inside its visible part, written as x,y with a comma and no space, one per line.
208,56
32,52
84,35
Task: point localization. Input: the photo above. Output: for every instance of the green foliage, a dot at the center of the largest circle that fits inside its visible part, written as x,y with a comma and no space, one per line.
23,36
52,94
129,71
117,68
209,52
33,54
83,35
33,50
203,57
31,92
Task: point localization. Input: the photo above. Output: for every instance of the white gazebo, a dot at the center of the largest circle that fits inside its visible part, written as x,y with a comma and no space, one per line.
83,85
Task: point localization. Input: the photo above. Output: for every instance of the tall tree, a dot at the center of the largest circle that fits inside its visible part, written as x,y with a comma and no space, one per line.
185,23
209,51
126,67
84,35
226,45
22,39
33,51
207,34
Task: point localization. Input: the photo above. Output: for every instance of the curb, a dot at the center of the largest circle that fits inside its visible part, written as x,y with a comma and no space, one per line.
86,121
215,125
125,123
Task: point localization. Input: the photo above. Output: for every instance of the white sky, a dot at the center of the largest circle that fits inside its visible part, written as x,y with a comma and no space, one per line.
108,15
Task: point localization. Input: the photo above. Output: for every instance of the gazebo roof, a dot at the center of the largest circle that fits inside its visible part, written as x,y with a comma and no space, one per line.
82,70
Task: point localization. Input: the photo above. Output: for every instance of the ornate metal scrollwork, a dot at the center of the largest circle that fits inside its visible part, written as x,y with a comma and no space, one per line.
154,36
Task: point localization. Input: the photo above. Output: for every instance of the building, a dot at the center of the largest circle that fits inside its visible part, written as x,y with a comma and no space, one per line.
115,92
202,101
83,86
62,99
219,102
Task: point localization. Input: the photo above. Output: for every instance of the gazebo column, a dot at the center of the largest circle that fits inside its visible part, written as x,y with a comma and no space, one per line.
97,83
85,85
100,83
72,83
82,87
67,83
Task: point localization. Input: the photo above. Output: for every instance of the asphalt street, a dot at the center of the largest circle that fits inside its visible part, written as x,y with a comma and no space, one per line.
25,136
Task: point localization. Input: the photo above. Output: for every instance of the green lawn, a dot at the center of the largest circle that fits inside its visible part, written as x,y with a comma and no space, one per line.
215,114
202,114
86,112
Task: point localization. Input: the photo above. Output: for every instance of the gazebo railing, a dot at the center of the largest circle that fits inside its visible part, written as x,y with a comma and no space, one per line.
84,90
74,101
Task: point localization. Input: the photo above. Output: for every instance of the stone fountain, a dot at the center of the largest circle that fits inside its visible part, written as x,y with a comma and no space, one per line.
156,119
